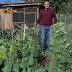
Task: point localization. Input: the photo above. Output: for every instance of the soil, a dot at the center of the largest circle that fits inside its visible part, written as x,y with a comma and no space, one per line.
44,60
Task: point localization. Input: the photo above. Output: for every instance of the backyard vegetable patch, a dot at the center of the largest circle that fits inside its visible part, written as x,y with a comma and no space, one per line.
26,57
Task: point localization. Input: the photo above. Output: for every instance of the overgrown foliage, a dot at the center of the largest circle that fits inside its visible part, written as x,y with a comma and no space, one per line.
24,56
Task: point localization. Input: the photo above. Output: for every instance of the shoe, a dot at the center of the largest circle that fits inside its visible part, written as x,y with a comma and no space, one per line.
42,52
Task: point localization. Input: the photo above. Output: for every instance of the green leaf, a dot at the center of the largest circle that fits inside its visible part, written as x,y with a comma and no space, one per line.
49,66
23,65
24,70
38,69
60,70
7,67
68,70
28,69
16,67
31,60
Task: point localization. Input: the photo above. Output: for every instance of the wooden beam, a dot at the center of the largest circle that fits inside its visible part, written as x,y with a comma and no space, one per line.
25,12
18,22
38,17
37,13
23,4
18,26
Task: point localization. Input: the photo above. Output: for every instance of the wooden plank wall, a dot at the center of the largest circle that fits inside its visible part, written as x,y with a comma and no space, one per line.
6,18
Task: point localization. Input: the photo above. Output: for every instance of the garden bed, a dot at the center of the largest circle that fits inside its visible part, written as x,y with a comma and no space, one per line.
17,55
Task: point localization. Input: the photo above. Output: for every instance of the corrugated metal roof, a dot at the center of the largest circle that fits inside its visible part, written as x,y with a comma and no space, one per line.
22,1
23,4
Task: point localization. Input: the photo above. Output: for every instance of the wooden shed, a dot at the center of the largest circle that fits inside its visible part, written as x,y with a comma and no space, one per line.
18,14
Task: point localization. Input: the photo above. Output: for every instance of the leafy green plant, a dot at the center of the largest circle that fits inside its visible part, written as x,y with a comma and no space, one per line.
25,53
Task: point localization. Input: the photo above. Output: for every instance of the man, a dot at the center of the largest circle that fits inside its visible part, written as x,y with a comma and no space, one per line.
46,17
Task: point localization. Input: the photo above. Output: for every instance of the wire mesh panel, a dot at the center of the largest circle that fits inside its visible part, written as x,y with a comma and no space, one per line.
30,19
28,14
18,17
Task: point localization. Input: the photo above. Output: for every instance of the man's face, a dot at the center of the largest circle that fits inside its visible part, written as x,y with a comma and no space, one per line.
46,5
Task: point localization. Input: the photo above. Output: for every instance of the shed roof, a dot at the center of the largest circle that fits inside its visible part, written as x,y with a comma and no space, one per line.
23,4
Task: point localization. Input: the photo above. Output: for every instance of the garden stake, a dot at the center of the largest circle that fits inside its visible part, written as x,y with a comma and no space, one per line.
35,31
15,43
24,33
11,46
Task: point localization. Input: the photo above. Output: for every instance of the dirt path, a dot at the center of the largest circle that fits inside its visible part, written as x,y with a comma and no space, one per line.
44,60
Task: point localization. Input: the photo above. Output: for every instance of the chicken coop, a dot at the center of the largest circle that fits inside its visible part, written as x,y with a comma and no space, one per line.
18,14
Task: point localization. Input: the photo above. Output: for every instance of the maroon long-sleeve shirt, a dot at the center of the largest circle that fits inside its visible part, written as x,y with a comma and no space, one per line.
46,17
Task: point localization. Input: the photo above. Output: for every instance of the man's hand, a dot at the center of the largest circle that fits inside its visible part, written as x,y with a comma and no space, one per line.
35,24
51,26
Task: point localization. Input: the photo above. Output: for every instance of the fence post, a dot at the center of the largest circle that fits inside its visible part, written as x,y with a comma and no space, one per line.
66,21
24,32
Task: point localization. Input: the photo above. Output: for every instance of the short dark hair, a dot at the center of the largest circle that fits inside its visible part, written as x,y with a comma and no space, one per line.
47,1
